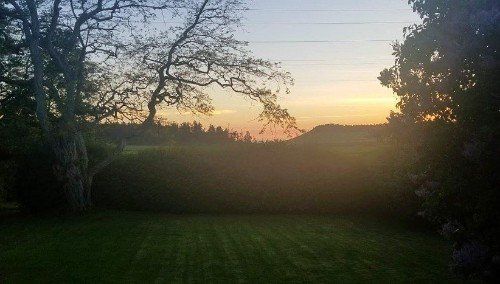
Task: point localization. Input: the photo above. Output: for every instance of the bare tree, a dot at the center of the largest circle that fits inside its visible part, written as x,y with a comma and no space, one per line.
203,52
93,61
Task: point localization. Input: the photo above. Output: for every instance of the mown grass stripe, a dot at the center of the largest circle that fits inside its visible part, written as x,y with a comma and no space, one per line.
121,247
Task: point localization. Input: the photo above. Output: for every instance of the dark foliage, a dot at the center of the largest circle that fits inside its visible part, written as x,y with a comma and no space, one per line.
26,166
446,77
36,188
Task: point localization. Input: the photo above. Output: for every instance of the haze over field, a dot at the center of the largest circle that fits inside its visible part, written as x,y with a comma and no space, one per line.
334,51
161,141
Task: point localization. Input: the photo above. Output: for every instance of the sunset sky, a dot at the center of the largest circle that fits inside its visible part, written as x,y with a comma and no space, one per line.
334,50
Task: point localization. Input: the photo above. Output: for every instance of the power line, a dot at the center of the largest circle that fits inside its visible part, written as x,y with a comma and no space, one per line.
302,23
293,63
299,60
337,81
340,64
331,23
320,41
324,60
326,10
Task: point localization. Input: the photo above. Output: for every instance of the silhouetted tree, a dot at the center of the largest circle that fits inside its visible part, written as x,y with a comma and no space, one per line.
84,62
446,77
248,137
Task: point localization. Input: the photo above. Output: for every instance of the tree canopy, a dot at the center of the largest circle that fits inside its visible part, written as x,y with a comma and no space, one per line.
446,78
447,67
68,65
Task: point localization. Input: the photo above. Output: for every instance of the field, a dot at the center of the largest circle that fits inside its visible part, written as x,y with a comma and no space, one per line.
133,247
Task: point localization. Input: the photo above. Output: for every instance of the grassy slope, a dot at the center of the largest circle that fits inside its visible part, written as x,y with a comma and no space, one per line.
147,247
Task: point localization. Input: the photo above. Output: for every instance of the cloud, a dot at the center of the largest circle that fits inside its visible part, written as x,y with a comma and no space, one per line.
177,113
336,116
370,101
223,111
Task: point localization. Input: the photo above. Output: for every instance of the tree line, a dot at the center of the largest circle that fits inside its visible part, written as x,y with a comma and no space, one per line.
172,134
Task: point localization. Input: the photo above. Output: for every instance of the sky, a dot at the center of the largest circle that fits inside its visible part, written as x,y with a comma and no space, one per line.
335,81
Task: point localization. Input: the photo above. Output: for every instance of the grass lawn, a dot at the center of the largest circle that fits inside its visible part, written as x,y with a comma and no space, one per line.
152,247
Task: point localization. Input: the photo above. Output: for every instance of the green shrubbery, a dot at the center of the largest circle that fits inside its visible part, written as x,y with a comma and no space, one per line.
26,168
252,178
7,170
445,75
36,188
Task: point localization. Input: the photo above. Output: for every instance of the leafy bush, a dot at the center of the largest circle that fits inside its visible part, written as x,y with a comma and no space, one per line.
445,75
455,178
36,187
7,172
26,174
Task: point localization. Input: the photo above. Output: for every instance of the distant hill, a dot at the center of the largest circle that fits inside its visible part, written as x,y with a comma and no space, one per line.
341,134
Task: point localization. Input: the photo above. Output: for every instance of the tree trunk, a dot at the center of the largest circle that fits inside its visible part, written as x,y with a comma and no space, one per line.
70,169
72,183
